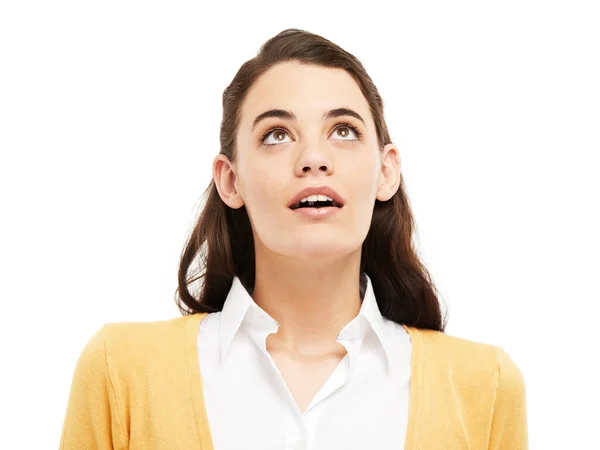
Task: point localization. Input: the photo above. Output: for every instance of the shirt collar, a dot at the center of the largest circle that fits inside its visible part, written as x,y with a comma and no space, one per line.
239,307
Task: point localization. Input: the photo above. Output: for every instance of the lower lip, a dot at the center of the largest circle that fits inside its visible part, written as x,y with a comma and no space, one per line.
317,213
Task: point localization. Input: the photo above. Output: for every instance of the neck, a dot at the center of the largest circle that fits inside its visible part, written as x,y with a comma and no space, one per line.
312,303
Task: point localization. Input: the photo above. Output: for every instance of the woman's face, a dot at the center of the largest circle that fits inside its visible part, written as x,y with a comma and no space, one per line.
306,152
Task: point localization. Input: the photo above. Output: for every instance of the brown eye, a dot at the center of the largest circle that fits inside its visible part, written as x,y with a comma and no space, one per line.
278,135
346,128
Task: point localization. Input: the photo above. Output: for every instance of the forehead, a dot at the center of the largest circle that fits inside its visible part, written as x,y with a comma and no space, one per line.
306,90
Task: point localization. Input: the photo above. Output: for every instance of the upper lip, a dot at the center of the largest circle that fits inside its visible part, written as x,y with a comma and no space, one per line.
312,190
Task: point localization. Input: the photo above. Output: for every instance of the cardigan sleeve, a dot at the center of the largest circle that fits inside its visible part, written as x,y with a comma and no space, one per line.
509,420
92,416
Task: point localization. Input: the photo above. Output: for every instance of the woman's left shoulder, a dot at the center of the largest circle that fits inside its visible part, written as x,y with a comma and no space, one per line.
467,355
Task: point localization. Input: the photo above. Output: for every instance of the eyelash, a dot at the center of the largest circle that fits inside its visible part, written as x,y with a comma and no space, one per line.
339,125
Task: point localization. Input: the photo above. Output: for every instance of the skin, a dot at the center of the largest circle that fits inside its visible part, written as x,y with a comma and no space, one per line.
307,270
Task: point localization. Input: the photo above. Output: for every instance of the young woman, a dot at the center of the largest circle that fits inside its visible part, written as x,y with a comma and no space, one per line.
310,322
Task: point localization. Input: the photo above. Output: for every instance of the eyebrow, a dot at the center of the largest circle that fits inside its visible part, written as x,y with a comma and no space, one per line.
288,115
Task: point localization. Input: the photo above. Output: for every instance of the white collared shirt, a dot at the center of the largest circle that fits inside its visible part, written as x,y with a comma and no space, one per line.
363,404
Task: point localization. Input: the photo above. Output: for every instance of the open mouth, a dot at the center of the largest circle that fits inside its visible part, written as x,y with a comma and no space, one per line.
317,204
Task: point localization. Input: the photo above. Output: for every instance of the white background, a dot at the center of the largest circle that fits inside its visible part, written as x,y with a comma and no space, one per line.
109,122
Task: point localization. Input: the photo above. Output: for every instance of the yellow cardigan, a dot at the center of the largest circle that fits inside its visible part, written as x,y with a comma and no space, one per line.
137,385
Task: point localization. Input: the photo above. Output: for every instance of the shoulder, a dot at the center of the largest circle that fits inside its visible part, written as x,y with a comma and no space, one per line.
139,332
142,334
477,386
144,343
469,359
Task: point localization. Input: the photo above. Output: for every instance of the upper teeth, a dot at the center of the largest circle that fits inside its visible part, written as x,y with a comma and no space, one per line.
316,197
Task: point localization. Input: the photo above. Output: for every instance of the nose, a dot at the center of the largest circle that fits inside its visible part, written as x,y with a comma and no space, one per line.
307,168
315,161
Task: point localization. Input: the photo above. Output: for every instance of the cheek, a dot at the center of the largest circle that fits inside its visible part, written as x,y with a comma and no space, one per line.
364,175
261,188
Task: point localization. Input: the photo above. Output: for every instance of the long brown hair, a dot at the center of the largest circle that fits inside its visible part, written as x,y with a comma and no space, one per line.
222,240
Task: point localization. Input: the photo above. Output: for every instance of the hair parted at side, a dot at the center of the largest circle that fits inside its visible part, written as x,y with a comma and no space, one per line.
222,243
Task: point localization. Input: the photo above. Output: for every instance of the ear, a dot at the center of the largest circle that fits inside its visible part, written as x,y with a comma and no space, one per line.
226,181
390,173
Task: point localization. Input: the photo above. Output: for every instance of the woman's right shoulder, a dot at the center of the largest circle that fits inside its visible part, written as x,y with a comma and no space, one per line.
142,340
